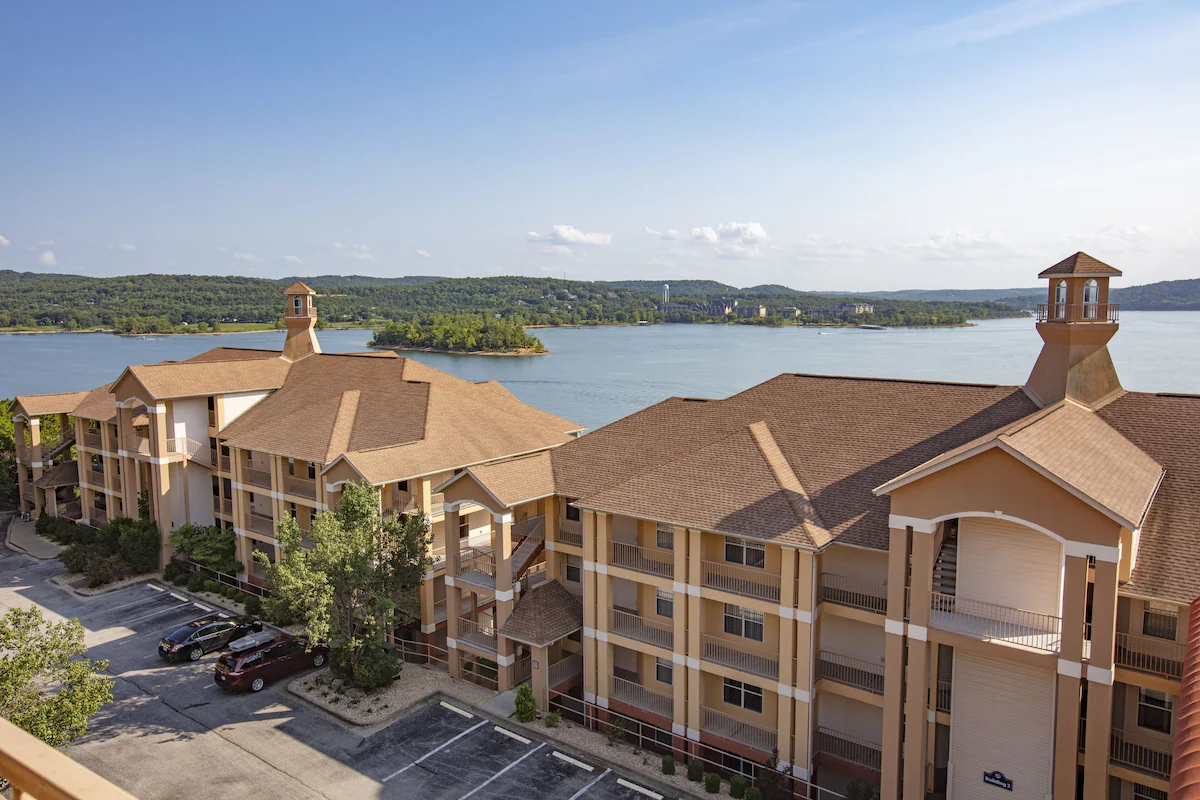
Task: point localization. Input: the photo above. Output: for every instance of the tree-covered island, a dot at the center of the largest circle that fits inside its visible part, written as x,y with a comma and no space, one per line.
459,333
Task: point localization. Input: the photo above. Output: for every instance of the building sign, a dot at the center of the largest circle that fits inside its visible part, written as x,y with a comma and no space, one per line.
997,779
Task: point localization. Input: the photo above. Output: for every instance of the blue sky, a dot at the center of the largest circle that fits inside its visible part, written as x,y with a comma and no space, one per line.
824,145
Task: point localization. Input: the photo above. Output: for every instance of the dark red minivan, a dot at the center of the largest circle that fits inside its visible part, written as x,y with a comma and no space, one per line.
252,661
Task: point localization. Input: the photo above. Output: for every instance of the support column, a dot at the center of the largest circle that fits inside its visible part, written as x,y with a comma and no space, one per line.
453,593
428,610
23,482
695,707
604,673
161,474
590,614
1100,680
502,551
679,670
893,675
787,647
802,680
540,666
916,705
35,458
1070,670
931,726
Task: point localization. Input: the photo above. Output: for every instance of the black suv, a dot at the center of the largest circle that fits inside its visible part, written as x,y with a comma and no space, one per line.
205,635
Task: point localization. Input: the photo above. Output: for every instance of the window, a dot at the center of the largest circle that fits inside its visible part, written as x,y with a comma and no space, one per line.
1154,710
291,466
212,403
743,695
573,514
402,486
297,305
249,458
251,496
312,514
666,536
464,527
741,551
574,569
743,622
1146,793
1060,297
664,603
664,670
216,486
312,471
292,509
1160,621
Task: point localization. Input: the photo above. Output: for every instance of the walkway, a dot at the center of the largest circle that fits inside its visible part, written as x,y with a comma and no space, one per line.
22,536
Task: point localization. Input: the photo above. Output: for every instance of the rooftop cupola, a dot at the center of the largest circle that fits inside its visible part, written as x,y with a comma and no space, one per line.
301,318
1076,322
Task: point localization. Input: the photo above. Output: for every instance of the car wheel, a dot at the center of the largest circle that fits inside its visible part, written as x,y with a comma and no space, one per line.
257,684
318,659
196,653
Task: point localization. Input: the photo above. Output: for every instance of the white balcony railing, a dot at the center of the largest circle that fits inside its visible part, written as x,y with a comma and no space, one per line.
568,669
1149,654
745,581
1142,753
632,626
740,655
191,450
944,693
475,560
482,636
850,672
991,622
638,696
853,592
641,559
736,730
850,749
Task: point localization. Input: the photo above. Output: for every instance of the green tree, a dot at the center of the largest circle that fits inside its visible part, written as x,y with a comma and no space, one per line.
362,574
208,546
47,687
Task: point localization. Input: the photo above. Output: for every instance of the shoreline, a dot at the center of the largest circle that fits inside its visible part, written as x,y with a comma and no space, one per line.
525,351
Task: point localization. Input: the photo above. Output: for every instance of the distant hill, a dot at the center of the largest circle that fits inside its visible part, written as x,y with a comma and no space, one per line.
331,281
677,287
946,295
772,288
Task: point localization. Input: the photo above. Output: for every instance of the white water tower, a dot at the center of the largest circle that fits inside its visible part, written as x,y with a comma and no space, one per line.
666,294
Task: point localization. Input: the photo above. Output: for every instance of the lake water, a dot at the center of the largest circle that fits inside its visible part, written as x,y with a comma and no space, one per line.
596,375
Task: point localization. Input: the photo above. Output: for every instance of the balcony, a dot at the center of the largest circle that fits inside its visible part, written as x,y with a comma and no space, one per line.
212,418
37,770
98,517
95,477
1141,753
476,634
745,581
223,506
568,669
226,466
850,672
571,532
71,510
261,524
990,622
852,592
93,439
258,477
638,696
439,609
632,626
1079,312
943,696
191,450
301,487
740,655
1149,654
477,567
849,749
641,559
437,557
140,445
736,730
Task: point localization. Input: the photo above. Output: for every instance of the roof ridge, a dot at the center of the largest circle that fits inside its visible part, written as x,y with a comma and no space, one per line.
785,476
871,379
343,424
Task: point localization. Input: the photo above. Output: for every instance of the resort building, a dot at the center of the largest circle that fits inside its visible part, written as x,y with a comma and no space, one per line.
946,590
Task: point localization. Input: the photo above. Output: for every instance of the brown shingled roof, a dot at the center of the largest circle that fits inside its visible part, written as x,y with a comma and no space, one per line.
514,481
299,287
233,354
545,614
62,474
195,378
1080,264
98,404
36,405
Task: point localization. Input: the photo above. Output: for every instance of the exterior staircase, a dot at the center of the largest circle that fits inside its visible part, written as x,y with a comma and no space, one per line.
63,447
945,568
527,549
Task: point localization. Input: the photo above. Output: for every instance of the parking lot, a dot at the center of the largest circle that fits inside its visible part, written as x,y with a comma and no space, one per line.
170,731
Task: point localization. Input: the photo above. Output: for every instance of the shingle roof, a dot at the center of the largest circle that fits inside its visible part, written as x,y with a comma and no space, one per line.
36,405
195,378
299,287
65,473
545,614
232,354
516,480
1080,264
98,404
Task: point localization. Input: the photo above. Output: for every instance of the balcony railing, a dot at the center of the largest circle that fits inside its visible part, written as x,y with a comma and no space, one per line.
141,445
212,418
853,592
1149,654
638,696
437,558
223,506
636,627
569,668
261,523
98,516
740,580
37,770
71,510
482,636
93,439
439,608
191,449
851,672
943,696
740,655
226,466
301,487
571,532
991,622
95,477
1142,753
736,730
475,560
1079,312
850,749
641,559
258,477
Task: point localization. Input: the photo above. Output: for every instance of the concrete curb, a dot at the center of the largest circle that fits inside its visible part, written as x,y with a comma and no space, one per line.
135,580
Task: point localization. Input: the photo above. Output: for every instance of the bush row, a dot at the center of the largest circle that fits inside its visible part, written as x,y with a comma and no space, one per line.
181,576
121,548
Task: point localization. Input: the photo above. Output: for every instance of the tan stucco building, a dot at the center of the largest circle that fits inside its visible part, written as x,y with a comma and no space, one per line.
956,590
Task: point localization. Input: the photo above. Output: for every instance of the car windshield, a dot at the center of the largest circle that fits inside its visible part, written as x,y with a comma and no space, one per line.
181,635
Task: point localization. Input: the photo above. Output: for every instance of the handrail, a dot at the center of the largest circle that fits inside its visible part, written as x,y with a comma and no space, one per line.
639,696
853,592
261,523
37,770
737,730
1141,752
989,621
944,689
189,448
1149,654
633,626
640,559
739,655
479,635
744,581
1078,312
475,560
570,532
850,749
850,671
566,669
258,477
301,487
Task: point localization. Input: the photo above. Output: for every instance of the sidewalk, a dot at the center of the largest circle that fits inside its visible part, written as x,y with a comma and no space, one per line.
23,537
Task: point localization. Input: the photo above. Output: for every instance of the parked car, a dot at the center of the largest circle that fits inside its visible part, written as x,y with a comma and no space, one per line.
205,635
261,657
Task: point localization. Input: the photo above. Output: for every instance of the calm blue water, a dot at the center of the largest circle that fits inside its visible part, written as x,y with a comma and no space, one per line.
596,375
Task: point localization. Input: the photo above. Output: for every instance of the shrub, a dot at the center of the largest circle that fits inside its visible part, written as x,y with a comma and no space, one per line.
712,782
42,523
174,570
753,793
376,666
106,569
76,557
695,770
526,705
552,719
212,587
231,592
208,546
139,546
668,765
737,786
253,605
195,582
858,789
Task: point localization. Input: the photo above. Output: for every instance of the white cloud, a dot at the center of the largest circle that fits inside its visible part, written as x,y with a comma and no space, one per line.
815,248
556,250
294,259
422,253
47,259
669,235
246,256
734,239
569,234
4,242
222,249
337,245
1005,19
46,242
963,246
125,247
706,235
361,252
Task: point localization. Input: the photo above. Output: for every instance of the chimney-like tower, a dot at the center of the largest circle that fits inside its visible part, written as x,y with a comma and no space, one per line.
301,318
1076,323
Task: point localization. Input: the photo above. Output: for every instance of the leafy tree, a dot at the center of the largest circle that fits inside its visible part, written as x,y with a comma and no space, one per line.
362,574
47,687
209,546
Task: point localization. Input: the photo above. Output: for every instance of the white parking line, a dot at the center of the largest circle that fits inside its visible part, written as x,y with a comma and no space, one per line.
639,789
575,762
442,746
593,782
128,622
510,734
506,769
456,710
202,608
179,597
155,588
